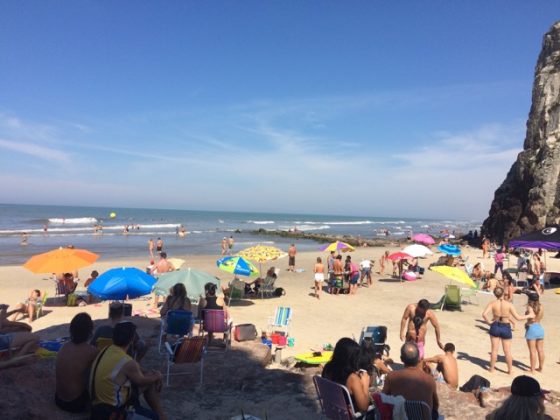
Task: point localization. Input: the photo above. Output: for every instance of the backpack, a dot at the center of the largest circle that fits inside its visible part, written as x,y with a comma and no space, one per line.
279,292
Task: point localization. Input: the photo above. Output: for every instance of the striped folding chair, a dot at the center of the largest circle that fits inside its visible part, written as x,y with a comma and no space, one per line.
176,322
281,319
418,410
215,321
335,400
186,350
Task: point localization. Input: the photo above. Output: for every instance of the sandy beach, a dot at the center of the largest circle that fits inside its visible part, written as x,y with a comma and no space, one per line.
319,321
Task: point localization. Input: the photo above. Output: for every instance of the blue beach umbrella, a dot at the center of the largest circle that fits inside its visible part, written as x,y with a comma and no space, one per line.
237,265
122,283
449,249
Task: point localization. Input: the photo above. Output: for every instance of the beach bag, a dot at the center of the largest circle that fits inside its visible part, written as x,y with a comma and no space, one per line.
279,292
245,332
72,300
476,382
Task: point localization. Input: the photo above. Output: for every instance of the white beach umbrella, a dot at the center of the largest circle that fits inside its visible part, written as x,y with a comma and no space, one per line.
417,250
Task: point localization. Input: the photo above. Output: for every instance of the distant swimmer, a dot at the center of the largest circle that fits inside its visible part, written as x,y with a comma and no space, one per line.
230,243
23,239
45,228
159,245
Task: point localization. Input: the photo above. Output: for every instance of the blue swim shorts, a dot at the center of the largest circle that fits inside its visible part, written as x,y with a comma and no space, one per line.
501,330
534,332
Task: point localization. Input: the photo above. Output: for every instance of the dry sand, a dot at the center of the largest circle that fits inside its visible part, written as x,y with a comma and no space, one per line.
314,323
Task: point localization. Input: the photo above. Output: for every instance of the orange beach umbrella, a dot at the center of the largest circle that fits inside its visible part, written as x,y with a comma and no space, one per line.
61,260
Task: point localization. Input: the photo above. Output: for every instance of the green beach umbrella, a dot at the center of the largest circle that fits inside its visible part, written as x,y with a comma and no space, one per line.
193,279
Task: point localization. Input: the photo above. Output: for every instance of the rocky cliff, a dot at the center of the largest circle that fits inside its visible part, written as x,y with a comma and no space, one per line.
529,198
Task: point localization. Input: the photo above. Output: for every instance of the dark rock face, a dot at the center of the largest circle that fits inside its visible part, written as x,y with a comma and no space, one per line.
529,197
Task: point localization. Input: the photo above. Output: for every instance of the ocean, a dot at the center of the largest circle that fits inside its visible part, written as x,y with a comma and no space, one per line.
205,229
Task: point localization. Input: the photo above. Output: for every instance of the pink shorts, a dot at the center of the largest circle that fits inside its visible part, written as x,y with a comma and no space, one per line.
420,345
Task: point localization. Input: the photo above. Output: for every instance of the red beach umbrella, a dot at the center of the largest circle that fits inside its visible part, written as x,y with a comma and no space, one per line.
397,256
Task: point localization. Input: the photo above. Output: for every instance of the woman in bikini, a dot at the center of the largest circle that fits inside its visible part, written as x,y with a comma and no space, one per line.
500,327
534,333
415,323
382,261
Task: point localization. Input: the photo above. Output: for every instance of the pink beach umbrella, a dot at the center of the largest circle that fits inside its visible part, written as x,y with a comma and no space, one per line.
423,238
397,256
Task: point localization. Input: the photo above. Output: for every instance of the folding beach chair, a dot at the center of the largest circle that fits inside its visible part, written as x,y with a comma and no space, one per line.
215,321
176,322
452,299
281,319
336,402
468,293
236,290
377,335
418,410
267,287
186,350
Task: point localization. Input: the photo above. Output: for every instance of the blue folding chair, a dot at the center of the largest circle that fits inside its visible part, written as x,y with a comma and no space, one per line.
281,319
176,322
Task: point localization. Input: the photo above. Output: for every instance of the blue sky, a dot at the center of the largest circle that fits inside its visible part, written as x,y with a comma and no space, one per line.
374,108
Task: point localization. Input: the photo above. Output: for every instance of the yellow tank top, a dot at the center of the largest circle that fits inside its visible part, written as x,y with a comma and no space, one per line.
107,391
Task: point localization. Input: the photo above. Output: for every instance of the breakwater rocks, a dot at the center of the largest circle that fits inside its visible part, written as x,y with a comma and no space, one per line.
324,238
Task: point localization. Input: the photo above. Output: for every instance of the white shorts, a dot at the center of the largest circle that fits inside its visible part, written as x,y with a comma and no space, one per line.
319,277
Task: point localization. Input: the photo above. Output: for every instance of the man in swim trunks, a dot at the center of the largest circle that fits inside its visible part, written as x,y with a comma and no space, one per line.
500,327
414,324
446,365
292,251
73,362
338,272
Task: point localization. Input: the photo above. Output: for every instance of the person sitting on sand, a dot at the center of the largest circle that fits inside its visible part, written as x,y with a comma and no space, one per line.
259,281
525,402
412,382
343,368
446,370
113,375
177,299
500,328
17,335
414,324
29,307
137,349
73,362
94,274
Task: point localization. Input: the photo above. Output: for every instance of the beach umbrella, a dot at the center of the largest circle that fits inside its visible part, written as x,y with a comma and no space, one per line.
262,253
449,249
61,260
397,256
454,273
338,246
193,279
237,265
417,250
547,238
423,238
177,262
122,283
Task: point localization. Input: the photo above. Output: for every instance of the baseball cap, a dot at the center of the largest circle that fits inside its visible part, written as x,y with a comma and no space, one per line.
525,386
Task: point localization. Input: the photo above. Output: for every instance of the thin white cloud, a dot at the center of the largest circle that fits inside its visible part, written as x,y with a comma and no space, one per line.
35,150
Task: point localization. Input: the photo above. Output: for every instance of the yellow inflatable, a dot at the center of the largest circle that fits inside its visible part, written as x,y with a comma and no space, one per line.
112,215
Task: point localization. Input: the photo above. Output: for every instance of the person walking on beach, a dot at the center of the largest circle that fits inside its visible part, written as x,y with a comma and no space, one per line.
151,247
499,261
534,333
159,245
224,246
414,324
230,244
382,261
292,251
500,327
319,273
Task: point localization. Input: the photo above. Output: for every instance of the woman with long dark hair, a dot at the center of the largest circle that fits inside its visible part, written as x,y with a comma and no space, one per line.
344,369
177,299
414,324
534,333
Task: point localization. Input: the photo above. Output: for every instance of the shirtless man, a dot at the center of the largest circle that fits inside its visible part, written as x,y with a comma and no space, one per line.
447,365
73,362
414,324
500,327
161,267
292,251
338,272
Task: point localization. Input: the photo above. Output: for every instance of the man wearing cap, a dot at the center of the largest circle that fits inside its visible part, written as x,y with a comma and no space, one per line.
525,402
114,373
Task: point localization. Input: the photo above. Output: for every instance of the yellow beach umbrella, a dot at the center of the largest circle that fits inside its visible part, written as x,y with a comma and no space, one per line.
177,262
262,253
338,246
454,273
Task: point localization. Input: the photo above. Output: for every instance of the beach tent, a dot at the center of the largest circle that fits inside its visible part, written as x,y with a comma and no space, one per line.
547,238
